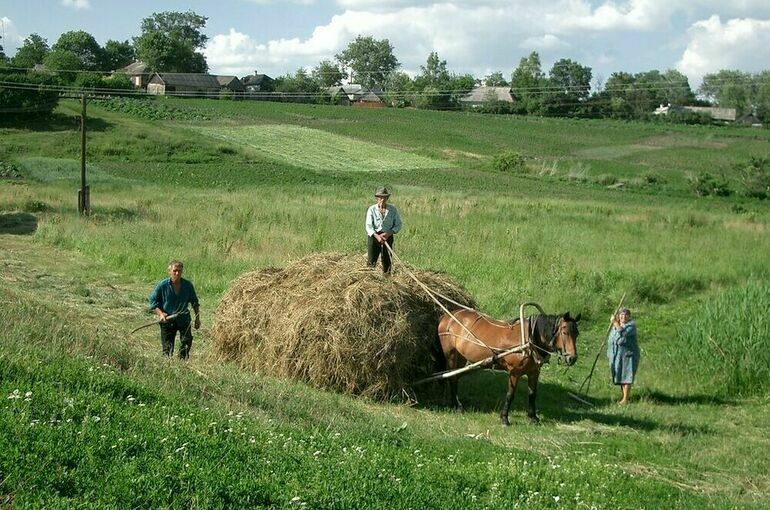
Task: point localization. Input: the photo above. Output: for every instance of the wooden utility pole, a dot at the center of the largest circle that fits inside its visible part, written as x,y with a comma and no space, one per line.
84,196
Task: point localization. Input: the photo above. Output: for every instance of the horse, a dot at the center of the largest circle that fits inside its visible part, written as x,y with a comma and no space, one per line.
547,334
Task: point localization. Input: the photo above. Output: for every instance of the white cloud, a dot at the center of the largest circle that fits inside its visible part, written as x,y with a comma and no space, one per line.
474,36
544,42
77,4
737,44
12,40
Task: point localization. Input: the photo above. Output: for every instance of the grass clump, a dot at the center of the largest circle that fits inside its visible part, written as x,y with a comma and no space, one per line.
333,322
509,161
723,344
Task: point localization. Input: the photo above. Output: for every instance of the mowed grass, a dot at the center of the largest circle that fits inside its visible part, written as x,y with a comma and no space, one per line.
73,287
312,148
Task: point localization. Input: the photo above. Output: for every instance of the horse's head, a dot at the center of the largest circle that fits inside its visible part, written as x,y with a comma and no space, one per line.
558,334
565,338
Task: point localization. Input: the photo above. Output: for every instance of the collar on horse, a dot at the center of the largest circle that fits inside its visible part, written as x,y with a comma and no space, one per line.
544,352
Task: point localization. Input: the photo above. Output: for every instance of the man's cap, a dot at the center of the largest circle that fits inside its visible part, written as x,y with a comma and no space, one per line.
382,192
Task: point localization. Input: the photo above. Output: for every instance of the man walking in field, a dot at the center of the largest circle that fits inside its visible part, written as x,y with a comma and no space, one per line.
382,223
170,301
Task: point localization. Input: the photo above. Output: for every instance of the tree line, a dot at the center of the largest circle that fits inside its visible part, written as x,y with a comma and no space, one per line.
172,42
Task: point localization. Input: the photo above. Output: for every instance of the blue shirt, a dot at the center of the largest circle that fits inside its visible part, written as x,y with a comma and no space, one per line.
377,222
164,297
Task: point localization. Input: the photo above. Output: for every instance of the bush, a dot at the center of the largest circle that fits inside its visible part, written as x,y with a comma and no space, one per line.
509,161
705,184
30,96
755,177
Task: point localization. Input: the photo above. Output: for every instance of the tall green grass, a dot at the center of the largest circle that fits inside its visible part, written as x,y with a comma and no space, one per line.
722,347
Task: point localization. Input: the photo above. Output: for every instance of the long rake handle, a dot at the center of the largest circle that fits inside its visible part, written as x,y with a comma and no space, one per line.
601,347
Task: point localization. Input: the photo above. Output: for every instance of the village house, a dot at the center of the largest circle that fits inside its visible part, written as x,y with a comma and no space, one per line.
716,114
258,83
356,95
184,84
231,83
482,95
138,73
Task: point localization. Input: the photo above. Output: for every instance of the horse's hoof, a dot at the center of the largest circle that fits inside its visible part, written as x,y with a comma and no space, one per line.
504,421
534,420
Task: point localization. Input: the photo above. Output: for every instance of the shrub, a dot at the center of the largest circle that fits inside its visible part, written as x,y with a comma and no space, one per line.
705,184
30,97
755,177
508,161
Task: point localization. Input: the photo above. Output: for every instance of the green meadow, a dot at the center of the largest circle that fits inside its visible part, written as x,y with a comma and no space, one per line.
93,417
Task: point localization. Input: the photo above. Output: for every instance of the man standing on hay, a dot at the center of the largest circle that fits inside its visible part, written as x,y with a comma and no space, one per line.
170,301
382,223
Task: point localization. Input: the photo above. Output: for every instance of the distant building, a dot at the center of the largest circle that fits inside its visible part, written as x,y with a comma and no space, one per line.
749,120
483,94
231,83
187,84
356,95
138,73
258,83
717,114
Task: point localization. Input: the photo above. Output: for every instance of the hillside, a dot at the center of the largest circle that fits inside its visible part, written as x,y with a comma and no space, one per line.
92,416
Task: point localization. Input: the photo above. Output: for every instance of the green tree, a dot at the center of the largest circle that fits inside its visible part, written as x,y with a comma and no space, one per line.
495,79
169,42
433,84
399,90
65,62
728,89
327,74
118,54
370,61
3,58
89,55
25,100
762,95
32,52
528,84
569,86
299,87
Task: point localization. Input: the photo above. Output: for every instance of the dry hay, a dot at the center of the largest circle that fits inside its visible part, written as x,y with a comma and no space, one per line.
333,322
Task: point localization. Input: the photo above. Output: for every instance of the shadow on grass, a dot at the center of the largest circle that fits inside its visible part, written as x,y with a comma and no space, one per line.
55,122
658,397
19,223
484,392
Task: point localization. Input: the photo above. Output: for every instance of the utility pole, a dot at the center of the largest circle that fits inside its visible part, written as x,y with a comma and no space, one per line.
84,196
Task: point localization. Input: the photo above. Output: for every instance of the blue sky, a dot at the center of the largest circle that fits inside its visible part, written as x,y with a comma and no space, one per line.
473,36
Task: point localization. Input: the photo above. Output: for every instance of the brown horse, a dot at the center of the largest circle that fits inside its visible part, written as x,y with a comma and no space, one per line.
547,334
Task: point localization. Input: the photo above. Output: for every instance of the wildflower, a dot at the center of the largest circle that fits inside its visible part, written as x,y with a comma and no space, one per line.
556,499
130,398
15,395
295,500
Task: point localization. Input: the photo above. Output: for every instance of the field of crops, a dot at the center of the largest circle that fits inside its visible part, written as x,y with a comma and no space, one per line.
93,417
319,150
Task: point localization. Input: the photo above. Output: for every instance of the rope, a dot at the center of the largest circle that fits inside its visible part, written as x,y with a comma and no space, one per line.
474,339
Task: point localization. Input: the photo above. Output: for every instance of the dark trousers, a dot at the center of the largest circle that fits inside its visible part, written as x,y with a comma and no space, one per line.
373,250
168,332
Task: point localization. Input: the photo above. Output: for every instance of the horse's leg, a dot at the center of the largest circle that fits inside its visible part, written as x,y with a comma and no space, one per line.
532,378
453,362
513,381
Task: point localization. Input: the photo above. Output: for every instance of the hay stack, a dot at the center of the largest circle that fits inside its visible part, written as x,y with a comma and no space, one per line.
332,322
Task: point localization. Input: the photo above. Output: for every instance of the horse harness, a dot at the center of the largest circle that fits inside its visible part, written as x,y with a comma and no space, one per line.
539,357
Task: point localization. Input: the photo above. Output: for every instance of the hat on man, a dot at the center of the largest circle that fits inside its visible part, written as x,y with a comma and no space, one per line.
382,192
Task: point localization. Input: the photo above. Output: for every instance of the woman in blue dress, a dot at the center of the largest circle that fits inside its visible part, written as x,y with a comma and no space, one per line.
623,352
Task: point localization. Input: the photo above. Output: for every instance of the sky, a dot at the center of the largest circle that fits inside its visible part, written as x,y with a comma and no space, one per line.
479,37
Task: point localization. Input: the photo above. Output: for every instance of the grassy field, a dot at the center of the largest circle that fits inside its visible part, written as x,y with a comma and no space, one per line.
92,417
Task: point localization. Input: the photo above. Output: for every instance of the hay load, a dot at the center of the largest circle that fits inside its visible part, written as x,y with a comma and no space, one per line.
334,323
